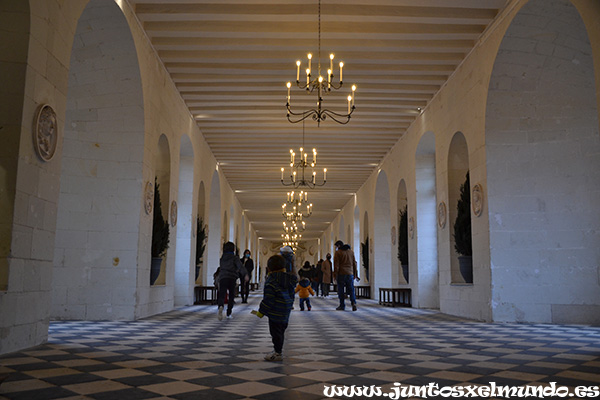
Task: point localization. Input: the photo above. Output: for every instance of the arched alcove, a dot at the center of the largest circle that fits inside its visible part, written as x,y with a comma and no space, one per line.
366,244
356,242
349,236
326,244
213,244
14,67
402,206
243,237
201,214
186,225
425,227
542,146
162,171
201,209
381,274
231,237
458,167
225,229
99,207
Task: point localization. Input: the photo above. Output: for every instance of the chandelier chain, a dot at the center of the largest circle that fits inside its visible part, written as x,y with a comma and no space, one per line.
319,85
319,37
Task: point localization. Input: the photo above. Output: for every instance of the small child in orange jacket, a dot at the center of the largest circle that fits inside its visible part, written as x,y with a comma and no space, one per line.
304,291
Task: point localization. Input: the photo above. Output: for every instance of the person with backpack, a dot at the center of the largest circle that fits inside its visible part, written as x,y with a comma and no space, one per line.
230,269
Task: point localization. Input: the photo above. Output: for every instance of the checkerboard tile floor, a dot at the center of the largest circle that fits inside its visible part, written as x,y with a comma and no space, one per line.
189,354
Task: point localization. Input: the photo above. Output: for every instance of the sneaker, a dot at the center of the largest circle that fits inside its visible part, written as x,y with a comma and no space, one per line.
274,357
220,314
308,308
340,308
229,316
354,308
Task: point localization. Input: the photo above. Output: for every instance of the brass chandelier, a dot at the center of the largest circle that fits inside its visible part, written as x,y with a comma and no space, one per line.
320,86
298,168
296,198
293,227
291,240
295,214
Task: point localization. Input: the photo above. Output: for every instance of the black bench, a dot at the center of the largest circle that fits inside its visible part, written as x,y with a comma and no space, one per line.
205,294
361,292
395,297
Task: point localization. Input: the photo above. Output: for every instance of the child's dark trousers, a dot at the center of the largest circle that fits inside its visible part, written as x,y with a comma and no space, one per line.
277,331
304,300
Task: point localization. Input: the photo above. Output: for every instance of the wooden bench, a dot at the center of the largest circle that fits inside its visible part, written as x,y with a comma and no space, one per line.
395,297
253,286
205,294
361,292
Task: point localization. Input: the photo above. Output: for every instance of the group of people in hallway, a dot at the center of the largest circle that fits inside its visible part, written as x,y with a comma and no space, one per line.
343,271
282,284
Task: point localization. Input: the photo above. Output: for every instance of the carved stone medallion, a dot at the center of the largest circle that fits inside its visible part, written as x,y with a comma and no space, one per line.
442,215
45,133
477,200
173,213
149,197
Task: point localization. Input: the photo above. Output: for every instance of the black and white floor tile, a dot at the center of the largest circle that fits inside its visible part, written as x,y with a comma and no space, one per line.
189,354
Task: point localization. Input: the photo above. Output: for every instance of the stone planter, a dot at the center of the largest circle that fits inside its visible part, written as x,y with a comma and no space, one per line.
198,266
155,269
465,263
405,272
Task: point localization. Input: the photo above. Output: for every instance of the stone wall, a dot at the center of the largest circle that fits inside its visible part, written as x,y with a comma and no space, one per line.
543,158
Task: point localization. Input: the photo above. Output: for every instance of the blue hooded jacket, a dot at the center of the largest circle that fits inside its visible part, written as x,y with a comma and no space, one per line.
278,297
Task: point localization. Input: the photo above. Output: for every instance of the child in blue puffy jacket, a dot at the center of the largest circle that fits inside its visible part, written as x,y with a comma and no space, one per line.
277,303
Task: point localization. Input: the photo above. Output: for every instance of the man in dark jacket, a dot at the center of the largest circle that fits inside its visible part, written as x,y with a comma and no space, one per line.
277,303
249,267
230,269
344,271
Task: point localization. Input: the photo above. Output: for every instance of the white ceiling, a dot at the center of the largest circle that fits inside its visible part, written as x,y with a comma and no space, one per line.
231,59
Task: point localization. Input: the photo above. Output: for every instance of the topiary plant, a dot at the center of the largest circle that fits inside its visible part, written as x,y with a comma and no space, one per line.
403,237
462,225
160,227
364,252
200,239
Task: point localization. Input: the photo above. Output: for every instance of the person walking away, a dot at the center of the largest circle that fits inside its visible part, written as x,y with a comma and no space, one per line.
230,269
317,278
288,254
304,291
305,271
344,271
326,269
248,265
277,303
